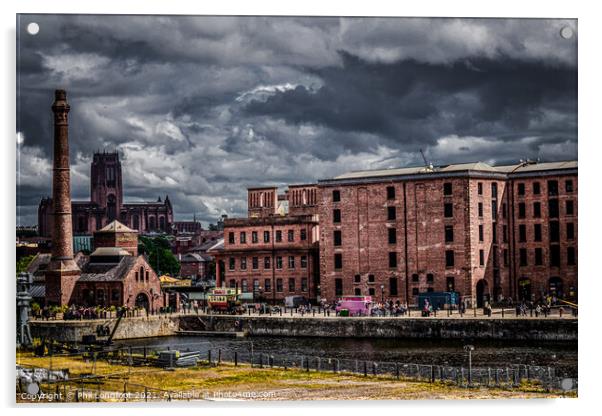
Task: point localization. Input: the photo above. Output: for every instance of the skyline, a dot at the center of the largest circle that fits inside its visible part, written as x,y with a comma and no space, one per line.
202,107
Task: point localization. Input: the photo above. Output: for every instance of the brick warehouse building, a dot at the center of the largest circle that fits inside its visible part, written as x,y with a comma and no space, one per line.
486,232
273,252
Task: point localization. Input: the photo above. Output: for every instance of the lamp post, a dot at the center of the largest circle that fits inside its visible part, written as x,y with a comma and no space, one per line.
382,293
469,349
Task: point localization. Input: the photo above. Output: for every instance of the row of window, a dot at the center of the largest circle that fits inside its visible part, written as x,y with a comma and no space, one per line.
267,262
552,187
553,230
142,275
554,256
553,210
266,236
267,288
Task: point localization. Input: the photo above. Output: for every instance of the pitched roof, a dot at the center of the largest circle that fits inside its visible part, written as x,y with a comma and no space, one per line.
110,251
116,227
107,272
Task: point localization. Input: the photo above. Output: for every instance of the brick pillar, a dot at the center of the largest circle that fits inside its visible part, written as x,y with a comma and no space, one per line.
62,272
217,272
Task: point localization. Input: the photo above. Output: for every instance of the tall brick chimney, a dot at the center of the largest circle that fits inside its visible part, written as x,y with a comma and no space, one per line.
62,271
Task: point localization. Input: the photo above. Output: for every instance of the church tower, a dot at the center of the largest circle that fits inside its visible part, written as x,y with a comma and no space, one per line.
105,183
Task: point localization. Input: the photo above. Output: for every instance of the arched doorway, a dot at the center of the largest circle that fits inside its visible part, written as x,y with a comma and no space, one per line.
450,284
524,289
142,301
482,293
555,287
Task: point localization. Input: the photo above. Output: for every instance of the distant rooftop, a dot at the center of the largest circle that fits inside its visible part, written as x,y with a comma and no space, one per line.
116,227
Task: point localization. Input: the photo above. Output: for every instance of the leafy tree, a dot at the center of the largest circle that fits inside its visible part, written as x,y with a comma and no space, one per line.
158,252
23,262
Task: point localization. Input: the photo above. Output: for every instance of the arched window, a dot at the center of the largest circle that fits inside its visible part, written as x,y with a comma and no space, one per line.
136,222
152,224
162,223
141,273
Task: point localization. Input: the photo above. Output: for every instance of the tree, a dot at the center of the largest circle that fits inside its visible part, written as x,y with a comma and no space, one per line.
23,263
158,252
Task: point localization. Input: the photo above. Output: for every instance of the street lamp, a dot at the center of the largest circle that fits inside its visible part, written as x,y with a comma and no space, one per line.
469,349
382,293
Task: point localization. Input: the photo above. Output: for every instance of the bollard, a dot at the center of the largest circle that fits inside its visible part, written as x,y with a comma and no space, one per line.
365,369
235,358
374,368
209,357
219,356
397,371
328,312
145,394
432,373
271,358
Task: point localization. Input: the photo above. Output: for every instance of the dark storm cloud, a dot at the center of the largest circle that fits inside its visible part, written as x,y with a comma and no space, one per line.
202,107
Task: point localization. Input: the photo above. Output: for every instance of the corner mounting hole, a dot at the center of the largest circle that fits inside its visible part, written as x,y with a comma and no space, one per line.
33,28
566,32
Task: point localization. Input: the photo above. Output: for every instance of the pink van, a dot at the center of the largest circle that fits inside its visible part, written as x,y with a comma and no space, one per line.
356,305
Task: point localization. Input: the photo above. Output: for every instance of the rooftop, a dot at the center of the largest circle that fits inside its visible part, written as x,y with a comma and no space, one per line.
116,227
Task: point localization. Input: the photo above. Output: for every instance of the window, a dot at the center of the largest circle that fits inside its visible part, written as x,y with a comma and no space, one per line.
536,188
494,233
481,257
137,278
357,278
570,231
370,278
266,263
255,285
506,260
449,258
430,278
278,236
338,261
538,256
338,287
415,278
522,210
279,262
231,238
480,188
291,235
415,291
504,210
279,287
570,256
115,295
391,213
568,186
357,291
243,263
393,286
336,215
481,236
537,232
390,192
553,208
493,190
371,291
244,285
480,209
449,233
291,262
231,263
569,208
266,236
536,210
554,231
555,255
392,259
336,196
447,189
494,210
255,263
523,257
392,235
451,286
504,233
291,284
243,237
146,274
496,263
304,284
268,285
430,289
254,238
521,189
448,210
338,239
552,187
522,233
303,234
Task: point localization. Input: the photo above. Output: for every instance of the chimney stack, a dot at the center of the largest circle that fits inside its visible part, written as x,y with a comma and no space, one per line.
62,272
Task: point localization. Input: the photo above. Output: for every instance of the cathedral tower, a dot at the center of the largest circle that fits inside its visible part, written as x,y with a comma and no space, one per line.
105,183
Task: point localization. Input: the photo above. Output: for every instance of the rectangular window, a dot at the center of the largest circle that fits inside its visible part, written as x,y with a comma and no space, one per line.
555,255
336,215
553,208
338,287
304,284
255,263
357,278
336,196
357,291
481,257
449,258
392,259
266,236
279,262
494,210
494,233
522,233
267,263
552,187
504,210
370,278
569,208
493,190
243,237
570,256
536,188
231,238
504,233
243,263
449,233
303,234
480,188
447,189
521,189
391,213
304,262
268,285
496,263
279,287
255,285
254,238
338,261
392,235
291,262
480,209
568,186
278,236
338,239
538,256
570,231
390,192
554,231
415,278
243,285
536,210
522,210
291,284
393,286
523,257
481,233
506,260
231,263
537,232
291,235
448,210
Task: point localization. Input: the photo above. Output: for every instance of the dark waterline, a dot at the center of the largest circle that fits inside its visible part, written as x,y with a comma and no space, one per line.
560,355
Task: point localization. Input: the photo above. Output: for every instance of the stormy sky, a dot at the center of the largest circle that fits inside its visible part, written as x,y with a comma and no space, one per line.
200,108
